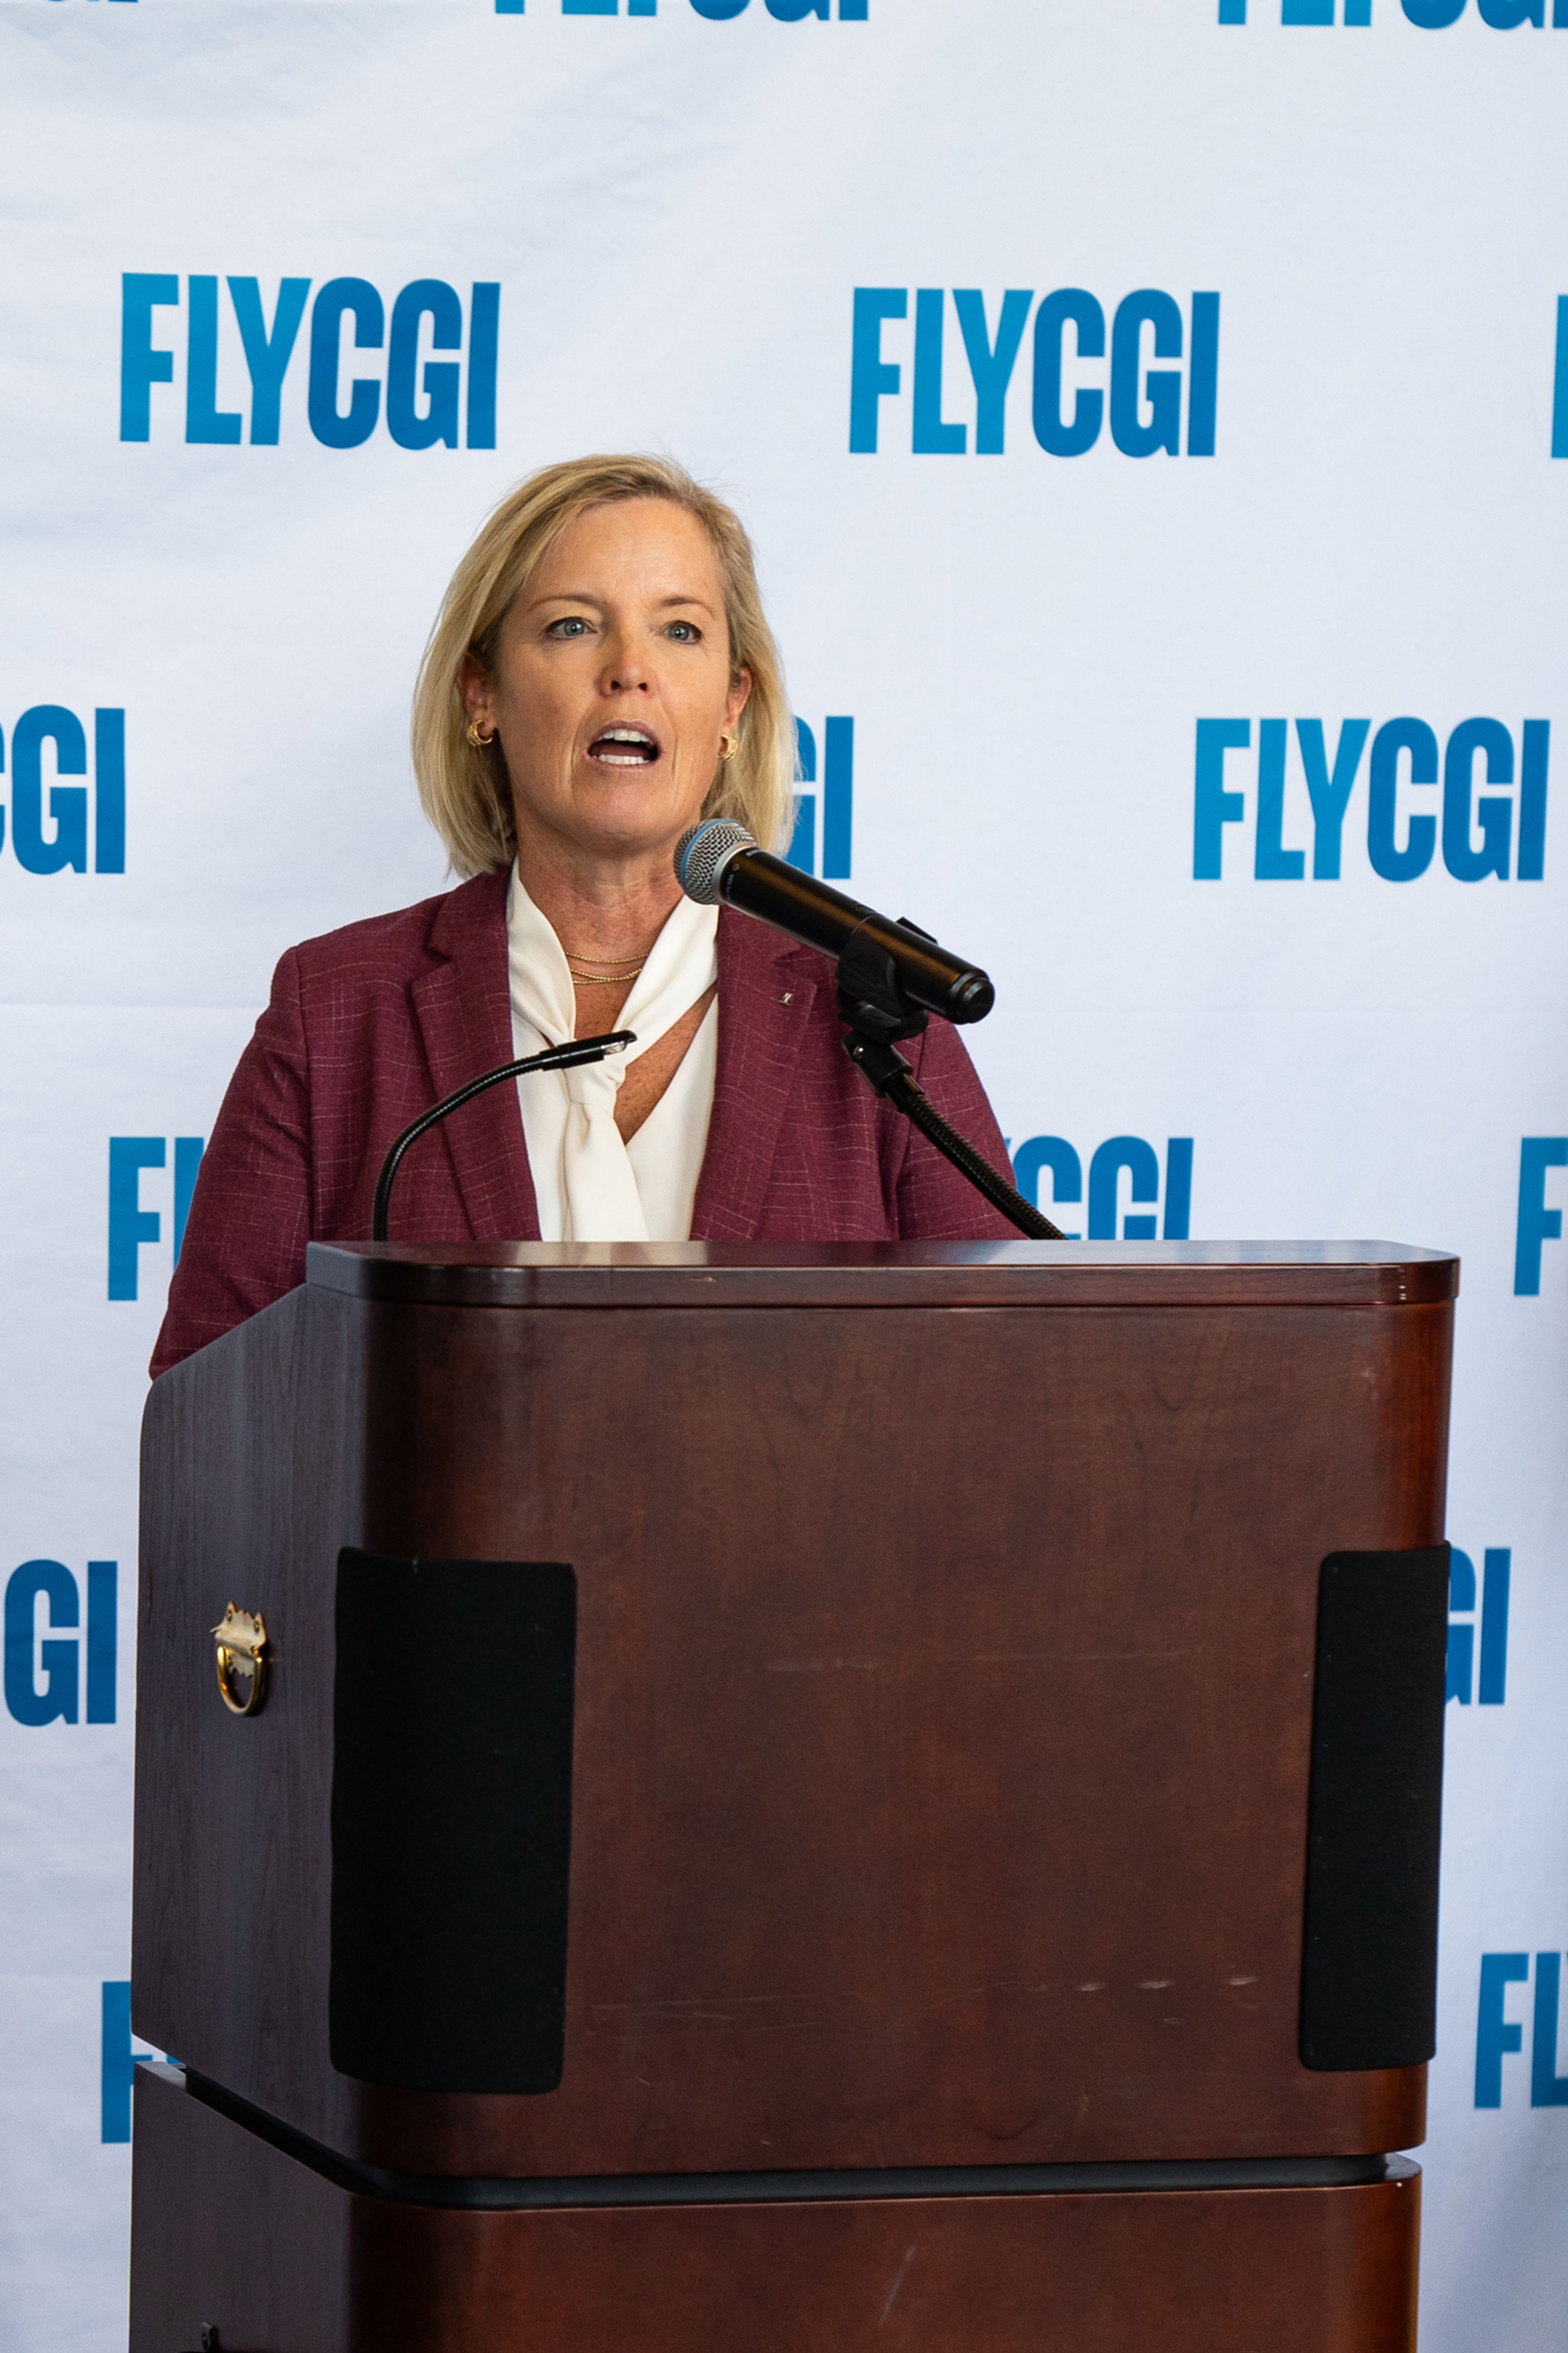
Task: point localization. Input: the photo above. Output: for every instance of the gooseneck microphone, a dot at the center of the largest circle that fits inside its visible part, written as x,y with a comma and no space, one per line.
570,1057
720,860
891,977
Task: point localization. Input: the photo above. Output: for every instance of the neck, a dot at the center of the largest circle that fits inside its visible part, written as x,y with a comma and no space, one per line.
600,907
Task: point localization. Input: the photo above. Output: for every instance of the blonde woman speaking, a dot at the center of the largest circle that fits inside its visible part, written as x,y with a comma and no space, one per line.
601,677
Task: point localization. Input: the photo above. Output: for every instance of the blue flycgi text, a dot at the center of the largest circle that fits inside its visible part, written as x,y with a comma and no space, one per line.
1147,395
429,400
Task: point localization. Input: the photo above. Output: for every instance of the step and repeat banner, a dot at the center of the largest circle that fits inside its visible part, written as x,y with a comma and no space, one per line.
1151,414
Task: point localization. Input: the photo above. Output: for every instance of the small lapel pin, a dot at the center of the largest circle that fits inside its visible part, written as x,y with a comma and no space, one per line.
788,996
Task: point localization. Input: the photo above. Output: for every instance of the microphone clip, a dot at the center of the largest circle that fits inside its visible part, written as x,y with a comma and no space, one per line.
869,997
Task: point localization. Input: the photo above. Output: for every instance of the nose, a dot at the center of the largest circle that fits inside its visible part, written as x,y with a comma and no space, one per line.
627,670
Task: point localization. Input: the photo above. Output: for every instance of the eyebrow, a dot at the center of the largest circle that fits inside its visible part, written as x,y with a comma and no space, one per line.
585,596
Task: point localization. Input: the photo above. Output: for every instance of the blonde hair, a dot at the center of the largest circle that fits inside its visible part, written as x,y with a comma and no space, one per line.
465,791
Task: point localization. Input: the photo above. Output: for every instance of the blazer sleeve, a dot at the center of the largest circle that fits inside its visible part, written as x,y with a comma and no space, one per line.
251,1213
934,1203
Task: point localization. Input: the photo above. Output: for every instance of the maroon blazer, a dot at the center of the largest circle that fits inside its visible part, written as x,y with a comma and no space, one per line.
371,1025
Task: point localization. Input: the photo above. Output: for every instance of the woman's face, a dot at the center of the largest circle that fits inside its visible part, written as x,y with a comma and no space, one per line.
612,689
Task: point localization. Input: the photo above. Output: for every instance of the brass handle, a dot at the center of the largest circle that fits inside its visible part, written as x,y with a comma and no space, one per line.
242,1660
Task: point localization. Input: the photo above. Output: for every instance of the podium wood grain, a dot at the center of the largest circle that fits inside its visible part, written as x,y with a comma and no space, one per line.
944,1688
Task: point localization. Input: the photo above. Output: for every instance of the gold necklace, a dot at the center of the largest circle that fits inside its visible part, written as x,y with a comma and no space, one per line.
624,970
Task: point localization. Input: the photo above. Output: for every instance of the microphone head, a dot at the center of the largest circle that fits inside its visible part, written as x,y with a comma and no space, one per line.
702,854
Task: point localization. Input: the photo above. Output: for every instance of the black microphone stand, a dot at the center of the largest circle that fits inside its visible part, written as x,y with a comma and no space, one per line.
877,1014
569,1057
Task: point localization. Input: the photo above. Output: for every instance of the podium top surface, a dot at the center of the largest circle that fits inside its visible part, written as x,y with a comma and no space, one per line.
886,1274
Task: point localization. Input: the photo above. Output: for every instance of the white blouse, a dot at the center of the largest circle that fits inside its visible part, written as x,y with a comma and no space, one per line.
589,1184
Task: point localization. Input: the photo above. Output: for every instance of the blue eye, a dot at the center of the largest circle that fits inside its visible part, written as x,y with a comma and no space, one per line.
685,632
572,625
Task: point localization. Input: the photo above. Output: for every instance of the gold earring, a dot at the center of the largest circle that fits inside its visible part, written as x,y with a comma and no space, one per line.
480,743
728,746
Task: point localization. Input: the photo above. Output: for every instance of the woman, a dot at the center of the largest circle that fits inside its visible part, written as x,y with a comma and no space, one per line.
600,677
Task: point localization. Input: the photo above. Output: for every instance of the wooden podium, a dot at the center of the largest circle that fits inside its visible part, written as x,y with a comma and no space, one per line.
805,1799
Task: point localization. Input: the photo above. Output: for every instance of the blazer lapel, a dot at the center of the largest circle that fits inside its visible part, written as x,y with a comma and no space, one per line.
463,1006
767,990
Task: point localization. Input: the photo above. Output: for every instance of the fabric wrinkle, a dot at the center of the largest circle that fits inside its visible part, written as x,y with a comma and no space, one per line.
589,1186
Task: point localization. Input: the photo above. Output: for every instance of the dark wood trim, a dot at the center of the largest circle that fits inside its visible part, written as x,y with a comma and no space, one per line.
518,2194
891,1274
230,2232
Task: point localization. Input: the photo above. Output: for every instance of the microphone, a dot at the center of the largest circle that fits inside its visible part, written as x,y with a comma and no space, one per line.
570,1057
891,977
719,859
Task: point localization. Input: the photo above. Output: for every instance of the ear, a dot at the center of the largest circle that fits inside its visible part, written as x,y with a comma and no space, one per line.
474,686
739,695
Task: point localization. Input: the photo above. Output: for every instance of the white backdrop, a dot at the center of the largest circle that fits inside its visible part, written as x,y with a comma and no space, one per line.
678,212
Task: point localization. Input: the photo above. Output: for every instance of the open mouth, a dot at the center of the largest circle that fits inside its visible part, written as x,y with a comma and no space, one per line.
623,747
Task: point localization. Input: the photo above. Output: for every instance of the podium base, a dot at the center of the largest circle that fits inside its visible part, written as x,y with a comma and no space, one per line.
231,2232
